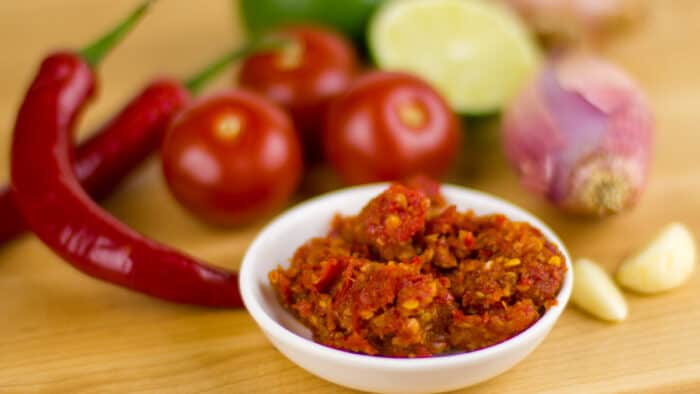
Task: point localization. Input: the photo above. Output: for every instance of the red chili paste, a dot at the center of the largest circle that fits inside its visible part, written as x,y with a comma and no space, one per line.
410,276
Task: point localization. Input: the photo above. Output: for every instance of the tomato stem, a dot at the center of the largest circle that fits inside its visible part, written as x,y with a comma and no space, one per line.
196,83
94,52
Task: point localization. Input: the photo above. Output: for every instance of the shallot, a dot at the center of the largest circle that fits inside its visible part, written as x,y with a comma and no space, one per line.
580,134
576,20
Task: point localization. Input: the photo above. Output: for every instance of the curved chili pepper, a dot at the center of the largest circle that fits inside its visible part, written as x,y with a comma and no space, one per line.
64,217
105,159
12,223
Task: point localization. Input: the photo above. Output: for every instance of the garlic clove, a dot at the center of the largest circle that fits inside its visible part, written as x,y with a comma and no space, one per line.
666,263
596,293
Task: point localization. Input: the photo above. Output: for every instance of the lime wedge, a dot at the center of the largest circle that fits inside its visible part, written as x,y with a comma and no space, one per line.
475,52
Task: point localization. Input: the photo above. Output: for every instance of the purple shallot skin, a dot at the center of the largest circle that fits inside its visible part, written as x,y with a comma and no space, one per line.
580,135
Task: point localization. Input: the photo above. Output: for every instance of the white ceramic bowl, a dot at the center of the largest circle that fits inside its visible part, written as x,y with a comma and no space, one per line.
278,241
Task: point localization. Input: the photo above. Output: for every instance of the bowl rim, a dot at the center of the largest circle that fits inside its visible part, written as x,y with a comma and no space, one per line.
270,326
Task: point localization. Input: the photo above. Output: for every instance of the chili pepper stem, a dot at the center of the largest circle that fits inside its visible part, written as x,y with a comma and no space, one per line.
196,83
94,52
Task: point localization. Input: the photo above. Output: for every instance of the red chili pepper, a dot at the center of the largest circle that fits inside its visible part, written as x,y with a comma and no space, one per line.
112,153
12,223
105,159
64,217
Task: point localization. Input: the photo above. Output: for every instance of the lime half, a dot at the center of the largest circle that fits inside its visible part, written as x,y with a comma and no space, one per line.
475,52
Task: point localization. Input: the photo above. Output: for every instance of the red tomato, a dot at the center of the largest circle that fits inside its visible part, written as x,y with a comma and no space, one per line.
232,157
302,76
390,126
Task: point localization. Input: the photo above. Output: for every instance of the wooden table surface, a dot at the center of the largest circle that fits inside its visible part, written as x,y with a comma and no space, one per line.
64,332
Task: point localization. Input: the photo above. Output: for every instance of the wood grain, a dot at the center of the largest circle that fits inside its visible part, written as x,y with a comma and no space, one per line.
64,332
